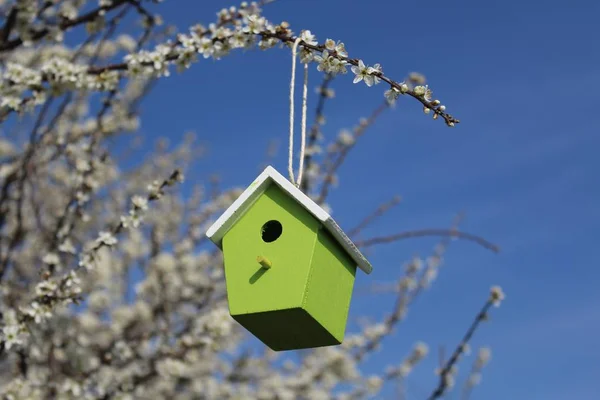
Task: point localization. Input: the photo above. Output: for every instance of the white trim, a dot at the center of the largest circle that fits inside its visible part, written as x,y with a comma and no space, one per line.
239,207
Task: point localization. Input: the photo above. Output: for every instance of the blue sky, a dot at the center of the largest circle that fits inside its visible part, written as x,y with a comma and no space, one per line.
521,78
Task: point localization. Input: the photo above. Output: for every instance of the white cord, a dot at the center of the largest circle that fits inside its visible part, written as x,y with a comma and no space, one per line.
303,142
303,127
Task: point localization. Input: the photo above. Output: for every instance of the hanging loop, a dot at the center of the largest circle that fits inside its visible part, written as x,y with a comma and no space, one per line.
303,123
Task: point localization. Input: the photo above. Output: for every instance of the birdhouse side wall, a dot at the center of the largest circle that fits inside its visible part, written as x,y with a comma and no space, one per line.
252,288
330,285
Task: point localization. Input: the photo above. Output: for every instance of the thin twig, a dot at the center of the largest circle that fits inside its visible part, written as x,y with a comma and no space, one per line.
428,232
407,294
10,22
443,383
450,120
315,129
381,210
341,157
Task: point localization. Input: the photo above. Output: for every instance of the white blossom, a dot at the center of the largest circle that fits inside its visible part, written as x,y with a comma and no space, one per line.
12,335
38,312
51,259
496,295
391,95
106,238
308,38
362,73
46,288
330,64
255,24
338,47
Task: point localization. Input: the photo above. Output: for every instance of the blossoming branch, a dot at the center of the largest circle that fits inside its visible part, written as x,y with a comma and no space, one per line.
235,29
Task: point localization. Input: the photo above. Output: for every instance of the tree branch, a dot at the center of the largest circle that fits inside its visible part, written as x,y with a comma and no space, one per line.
63,26
382,209
445,372
335,165
428,232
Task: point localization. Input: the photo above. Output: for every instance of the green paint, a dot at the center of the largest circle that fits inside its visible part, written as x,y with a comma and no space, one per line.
329,290
303,300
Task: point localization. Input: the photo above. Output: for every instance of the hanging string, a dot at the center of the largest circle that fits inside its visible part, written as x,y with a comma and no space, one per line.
303,123
303,140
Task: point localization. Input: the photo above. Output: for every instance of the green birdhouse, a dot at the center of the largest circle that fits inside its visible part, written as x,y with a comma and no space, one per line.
289,268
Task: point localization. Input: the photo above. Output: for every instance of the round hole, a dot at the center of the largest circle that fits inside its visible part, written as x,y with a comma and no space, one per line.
271,231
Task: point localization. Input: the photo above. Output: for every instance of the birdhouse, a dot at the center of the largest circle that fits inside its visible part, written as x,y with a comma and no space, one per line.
289,268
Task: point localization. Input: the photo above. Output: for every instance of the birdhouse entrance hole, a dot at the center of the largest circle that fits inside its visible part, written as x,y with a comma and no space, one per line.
271,231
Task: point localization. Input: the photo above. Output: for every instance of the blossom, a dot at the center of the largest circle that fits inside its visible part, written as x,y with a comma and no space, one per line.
420,90
51,259
72,282
374,384
66,246
12,102
375,331
86,260
306,55
308,38
45,288
267,43
423,91
12,336
496,295
106,238
391,95
374,71
217,323
417,78
323,60
338,47
255,24
134,219
38,312
346,138
483,356
474,379
330,64
140,202
362,73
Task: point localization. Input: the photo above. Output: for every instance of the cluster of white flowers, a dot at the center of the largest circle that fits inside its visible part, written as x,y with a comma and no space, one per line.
14,81
483,358
13,335
215,41
63,75
38,312
51,292
419,353
216,324
393,93
433,264
136,213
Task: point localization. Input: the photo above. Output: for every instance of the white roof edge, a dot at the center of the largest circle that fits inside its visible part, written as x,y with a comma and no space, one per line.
218,230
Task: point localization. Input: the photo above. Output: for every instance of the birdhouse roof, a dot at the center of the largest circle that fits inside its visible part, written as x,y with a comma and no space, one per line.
269,177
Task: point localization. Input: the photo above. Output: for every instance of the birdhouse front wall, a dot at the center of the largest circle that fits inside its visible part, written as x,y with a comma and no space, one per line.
252,288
